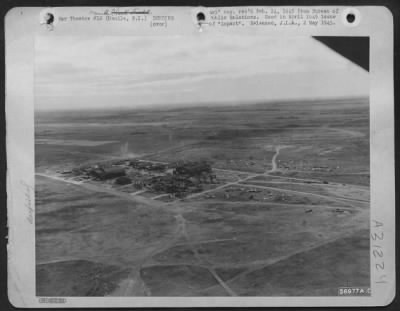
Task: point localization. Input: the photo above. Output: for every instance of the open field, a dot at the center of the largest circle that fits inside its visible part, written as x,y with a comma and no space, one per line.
280,208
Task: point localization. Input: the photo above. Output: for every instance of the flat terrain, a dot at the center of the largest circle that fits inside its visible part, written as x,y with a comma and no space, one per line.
287,215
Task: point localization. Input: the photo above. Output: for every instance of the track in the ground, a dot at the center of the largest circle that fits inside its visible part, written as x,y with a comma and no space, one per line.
133,285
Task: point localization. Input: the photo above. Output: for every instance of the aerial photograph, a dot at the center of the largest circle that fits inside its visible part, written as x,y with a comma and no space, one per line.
200,165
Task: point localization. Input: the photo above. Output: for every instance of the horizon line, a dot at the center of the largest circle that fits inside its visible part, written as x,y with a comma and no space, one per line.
167,106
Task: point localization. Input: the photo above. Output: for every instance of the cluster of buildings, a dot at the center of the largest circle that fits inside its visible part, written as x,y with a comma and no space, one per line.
186,178
305,166
177,179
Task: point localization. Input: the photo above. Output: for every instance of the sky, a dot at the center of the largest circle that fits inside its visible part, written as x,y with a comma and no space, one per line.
105,72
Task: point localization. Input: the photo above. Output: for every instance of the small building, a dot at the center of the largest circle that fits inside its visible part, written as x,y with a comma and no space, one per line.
108,173
193,168
123,180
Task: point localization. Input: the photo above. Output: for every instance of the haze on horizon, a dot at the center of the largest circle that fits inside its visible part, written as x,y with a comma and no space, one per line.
137,72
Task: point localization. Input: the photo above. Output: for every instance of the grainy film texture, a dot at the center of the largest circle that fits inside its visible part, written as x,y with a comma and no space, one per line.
201,166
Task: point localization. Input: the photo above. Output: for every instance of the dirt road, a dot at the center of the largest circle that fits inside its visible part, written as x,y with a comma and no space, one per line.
133,285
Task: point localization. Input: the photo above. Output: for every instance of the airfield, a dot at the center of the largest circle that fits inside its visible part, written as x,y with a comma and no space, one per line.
287,213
